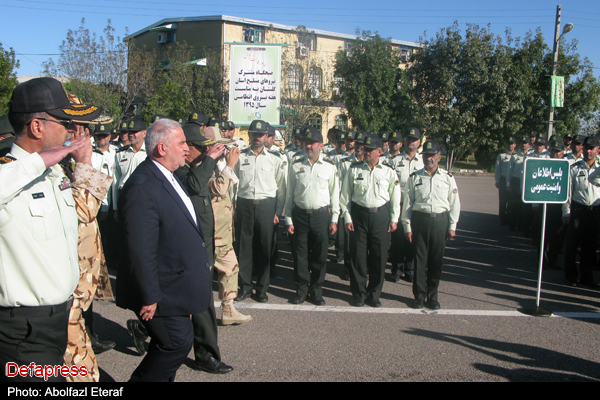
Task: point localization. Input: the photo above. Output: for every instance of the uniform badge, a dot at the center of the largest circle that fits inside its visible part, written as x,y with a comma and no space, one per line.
455,191
38,195
360,177
65,183
301,170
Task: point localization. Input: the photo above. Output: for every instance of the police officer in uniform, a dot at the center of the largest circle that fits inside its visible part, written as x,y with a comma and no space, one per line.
430,213
198,118
515,202
123,136
370,206
582,214
39,229
406,163
130,156
312,211
502,171
260,200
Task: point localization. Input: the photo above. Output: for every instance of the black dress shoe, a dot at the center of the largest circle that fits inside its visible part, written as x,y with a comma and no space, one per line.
317,300
418,304
100,346
433,304
139,338
373,302
243,295
358,302
298,300
212,366
408,278
261,298
571,283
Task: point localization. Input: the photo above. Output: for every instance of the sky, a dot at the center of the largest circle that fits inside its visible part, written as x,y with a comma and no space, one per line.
36,28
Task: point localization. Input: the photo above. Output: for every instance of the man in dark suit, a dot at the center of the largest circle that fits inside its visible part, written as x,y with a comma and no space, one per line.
165,276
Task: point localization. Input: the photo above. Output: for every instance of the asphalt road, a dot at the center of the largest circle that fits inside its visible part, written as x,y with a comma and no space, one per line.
481,334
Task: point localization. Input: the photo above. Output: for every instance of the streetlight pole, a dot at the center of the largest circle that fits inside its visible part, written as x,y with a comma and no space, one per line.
557,37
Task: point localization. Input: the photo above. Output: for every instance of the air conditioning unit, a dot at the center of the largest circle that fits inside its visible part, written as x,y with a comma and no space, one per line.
303,51
162,38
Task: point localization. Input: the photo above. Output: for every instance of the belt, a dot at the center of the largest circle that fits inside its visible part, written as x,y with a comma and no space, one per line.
580,206
38,311
371,210
315,211
431,215
261,201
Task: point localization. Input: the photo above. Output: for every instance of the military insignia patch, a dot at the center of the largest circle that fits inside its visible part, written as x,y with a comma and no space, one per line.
65,183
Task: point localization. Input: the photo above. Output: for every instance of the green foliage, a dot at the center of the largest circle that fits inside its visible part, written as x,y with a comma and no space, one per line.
8,78
371,83
182,87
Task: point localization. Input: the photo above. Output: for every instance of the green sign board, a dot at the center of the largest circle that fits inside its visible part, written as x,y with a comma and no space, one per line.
545,180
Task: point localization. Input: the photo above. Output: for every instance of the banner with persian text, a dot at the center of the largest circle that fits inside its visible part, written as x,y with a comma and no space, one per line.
254,83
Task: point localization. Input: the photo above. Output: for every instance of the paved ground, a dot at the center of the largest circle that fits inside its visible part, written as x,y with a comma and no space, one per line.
480,334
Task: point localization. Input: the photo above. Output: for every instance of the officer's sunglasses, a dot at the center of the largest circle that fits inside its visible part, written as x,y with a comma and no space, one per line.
68,124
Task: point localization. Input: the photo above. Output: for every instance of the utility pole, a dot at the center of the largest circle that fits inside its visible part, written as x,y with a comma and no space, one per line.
554,68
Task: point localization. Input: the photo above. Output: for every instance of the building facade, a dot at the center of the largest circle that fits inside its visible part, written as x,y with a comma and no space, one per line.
308,85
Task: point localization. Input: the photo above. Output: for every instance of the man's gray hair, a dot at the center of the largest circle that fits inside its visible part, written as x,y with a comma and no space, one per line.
160,131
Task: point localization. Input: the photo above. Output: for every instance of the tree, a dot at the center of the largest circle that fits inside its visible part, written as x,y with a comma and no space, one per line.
370,83
8,78
182,86
461,89
98,72
305,92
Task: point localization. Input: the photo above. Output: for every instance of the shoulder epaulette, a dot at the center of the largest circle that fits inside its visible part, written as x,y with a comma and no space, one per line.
297,160
355,164
329,160
124,148
274,152
345,159
96,150
7,159
388,165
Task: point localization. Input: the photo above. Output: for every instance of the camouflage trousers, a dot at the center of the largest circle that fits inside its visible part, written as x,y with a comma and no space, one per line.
227,266
79,347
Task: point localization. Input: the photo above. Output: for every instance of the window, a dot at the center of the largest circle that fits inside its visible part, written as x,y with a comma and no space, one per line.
308,39
315,78
253,34
294,77
315,121
342,122
405,54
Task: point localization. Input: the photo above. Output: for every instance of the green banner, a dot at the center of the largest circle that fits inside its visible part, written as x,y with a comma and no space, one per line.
545,180
254,83
557,97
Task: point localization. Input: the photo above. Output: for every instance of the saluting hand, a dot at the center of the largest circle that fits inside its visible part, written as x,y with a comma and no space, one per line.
52,155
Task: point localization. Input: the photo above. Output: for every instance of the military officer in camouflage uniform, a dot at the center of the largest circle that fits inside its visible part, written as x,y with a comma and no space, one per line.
430,213
370,206
226,261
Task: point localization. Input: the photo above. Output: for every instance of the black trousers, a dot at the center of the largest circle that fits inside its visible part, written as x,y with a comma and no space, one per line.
515,206
402,254
503,195
311,241
33,335
171,341
369,245
583,230
206,333
429,242
254,237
